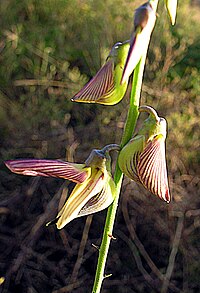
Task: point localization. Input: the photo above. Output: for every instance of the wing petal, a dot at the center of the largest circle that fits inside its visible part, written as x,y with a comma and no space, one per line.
101,84
129,156
100,201
81,194
49,168
152,170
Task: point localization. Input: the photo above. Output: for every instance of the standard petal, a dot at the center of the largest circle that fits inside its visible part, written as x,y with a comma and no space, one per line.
100,85
135,52
49,168
144,21
152,170
79,197
129,155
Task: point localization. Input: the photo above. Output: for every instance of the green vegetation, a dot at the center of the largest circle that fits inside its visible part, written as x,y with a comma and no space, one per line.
48,50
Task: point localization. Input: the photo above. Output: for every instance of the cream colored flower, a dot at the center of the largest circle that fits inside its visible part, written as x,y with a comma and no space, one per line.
95,188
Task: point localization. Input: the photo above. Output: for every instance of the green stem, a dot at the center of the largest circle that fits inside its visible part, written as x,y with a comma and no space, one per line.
134,102
118,176
127,134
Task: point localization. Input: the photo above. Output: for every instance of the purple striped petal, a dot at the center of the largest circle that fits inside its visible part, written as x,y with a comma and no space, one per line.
134,55
102,84
100,201
144,21
79,197
49,168
152,170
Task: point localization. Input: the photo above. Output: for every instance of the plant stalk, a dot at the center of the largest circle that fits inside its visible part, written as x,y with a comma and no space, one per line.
127,134
118,176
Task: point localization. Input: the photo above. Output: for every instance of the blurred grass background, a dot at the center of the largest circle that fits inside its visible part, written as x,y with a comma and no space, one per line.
48,50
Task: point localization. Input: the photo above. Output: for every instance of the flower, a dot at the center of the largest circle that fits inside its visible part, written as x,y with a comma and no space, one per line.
144,21
105,87
95,188
143,157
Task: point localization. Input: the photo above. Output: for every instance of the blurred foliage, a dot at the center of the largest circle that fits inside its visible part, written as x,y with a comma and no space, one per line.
48,51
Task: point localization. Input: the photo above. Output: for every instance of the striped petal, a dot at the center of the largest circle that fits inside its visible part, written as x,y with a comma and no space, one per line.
135,52
80,196
129,156
49,168
152,170
144,21
101,85
101,201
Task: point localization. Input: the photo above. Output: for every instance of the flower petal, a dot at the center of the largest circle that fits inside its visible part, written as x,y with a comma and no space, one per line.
134,55
100,201
152,170
49,168
129,155
171,6
101,84
144,21
79,197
